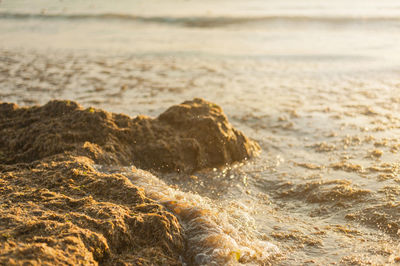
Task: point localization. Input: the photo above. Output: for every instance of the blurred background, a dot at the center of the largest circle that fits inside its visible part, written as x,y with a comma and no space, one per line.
288,29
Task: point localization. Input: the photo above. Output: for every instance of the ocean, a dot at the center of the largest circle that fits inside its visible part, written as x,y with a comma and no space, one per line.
316,83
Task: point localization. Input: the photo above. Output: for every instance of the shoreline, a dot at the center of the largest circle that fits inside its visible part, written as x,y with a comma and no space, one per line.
328,170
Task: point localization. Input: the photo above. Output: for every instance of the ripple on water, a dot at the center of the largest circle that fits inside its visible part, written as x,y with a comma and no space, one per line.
322,191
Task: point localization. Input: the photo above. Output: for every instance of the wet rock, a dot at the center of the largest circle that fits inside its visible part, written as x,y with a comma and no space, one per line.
187,137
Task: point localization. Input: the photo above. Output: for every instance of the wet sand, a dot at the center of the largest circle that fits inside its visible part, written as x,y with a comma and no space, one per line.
325,186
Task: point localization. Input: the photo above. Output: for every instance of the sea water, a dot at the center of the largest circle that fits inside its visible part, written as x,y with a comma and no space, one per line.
315,83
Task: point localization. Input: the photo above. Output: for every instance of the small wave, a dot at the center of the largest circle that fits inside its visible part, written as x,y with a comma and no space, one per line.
202,22
213,236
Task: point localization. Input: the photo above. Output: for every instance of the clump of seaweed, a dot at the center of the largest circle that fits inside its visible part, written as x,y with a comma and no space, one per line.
61,211
187,137
56,208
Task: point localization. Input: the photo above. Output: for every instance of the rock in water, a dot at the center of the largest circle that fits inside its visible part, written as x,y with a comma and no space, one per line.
187,137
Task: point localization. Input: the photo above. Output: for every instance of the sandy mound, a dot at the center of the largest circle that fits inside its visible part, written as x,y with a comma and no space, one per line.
55,208
187,137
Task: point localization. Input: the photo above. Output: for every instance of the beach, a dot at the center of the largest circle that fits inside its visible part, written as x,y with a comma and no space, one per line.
316,85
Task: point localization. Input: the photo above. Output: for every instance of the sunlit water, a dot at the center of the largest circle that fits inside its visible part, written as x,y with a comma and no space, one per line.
316,83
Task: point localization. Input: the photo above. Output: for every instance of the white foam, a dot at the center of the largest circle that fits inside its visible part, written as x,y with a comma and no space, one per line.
216,232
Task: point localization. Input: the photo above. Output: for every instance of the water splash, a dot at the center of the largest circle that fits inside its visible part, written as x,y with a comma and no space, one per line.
216,233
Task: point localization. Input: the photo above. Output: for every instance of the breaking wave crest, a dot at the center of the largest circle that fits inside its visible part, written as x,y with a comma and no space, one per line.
202,22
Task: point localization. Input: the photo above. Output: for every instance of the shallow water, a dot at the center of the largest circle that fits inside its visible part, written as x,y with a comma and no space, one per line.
315,83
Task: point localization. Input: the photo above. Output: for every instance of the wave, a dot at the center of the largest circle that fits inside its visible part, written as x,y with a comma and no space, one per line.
214,235
202,22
